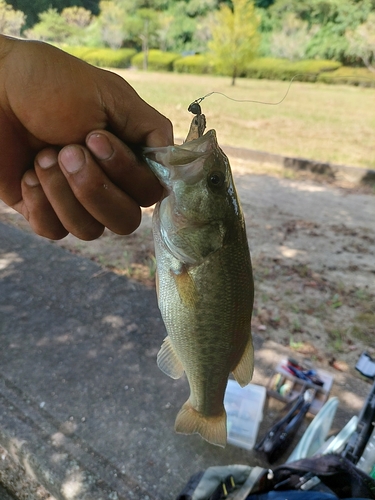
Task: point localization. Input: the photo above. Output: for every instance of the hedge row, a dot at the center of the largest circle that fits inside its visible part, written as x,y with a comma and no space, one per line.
198,64
157,60
104,57
266,67
361,77
282,69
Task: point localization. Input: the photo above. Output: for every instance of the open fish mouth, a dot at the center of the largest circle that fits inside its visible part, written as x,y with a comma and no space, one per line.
172,163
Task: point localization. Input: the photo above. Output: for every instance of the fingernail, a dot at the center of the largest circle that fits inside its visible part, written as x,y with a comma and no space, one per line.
100,146
31,178
47,159
72,158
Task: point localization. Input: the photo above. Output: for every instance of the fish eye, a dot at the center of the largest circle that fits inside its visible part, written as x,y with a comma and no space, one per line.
216,179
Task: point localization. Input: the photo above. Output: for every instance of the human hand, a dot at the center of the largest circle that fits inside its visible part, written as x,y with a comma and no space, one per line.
81,190
54,110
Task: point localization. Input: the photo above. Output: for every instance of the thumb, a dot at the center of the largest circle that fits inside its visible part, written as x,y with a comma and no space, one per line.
131,118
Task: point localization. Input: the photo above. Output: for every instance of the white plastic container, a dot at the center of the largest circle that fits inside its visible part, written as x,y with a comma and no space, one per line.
244,407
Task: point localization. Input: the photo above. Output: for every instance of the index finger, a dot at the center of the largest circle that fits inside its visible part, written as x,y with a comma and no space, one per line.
124,168
132,119
100,197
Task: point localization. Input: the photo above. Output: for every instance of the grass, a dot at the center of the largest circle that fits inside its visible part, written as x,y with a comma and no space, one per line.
337,338
334,123
295,345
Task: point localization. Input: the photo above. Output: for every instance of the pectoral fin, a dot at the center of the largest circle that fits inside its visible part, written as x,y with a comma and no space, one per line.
168,361
186,288
243,372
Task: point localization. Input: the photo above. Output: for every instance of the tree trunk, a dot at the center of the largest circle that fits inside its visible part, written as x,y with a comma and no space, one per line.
144,38
368,64
234,75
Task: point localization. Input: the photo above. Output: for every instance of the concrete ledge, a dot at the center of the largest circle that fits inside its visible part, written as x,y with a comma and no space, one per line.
41,451
356,175
19,485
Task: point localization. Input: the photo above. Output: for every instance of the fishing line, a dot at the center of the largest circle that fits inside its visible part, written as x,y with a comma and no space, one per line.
195,108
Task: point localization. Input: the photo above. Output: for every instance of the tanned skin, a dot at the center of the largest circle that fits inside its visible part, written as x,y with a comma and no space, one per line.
69,132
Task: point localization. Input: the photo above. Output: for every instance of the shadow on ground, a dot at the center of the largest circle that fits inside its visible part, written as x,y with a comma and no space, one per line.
83,406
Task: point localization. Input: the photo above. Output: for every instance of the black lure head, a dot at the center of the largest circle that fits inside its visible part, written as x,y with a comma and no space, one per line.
195,108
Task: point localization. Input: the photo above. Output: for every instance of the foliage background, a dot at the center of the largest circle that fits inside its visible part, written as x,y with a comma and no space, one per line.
293,30
340,30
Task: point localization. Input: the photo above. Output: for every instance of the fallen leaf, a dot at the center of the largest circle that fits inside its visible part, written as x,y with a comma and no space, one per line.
311,283
305,348
339,365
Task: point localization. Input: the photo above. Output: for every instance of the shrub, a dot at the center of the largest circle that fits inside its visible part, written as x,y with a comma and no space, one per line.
198,64
80,52
266,67
350,76
157,60
110,58
283,69
315,66
105,57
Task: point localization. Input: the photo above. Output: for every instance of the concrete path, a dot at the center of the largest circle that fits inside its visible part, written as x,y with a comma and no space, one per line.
84,410
4,495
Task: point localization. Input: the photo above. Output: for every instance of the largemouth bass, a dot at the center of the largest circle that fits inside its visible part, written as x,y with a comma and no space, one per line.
205,284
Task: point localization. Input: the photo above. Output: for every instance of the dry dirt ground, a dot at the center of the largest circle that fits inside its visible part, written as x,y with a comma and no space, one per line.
312,245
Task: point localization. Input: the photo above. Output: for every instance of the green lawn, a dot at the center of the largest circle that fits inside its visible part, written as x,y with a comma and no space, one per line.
333,123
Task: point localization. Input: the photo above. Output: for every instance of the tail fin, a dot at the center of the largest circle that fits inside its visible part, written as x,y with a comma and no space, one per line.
212,429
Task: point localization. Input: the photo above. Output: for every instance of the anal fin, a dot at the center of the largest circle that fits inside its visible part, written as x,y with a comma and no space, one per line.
168,361
243,372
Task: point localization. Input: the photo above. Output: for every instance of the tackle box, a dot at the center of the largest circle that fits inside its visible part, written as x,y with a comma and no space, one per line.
285,387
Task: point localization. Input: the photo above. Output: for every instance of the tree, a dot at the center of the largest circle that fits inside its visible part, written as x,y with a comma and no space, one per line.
180,31
77,16
264,4
52,27
182,24
235,37
148,26
362,42
32,8
291,41
327,21
11,21
322,12
111,21
165,23
69,27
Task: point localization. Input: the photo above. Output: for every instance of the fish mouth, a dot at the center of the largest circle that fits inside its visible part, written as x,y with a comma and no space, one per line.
184,162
